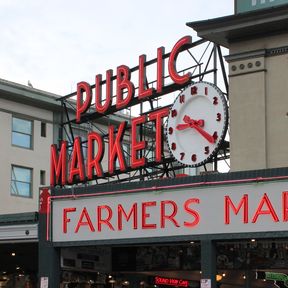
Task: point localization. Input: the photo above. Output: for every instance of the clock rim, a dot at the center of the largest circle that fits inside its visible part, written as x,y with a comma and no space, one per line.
223,132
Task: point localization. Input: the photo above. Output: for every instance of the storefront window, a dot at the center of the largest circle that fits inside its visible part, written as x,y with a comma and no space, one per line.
240,261
131,266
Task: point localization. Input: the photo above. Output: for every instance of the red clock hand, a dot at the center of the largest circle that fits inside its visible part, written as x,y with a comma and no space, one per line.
197,126
182,126
206,135
188,125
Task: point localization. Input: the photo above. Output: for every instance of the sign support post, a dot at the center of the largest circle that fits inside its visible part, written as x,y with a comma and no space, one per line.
208,261
48,256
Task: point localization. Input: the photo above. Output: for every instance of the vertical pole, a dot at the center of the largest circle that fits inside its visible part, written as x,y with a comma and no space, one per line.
215,64
247,279
208,261
48,256
215,55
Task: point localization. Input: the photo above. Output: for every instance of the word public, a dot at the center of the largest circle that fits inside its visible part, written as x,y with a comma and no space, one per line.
124,83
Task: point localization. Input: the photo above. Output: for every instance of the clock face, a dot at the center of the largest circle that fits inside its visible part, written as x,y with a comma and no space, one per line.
197,124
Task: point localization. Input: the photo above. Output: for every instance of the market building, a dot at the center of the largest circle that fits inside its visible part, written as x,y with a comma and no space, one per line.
225,229
25,138
122,209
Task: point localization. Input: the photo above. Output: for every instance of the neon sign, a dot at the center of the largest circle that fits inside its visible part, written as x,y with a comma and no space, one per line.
171,282
62,172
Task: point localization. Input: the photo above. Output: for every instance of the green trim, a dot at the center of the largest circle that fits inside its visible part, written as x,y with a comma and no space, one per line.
252,5
18,218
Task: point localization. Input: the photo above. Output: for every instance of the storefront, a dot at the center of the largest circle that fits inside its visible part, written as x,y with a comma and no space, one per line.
225,230
18,249
176,232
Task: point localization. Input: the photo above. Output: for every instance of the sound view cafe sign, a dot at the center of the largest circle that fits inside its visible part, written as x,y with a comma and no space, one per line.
193,209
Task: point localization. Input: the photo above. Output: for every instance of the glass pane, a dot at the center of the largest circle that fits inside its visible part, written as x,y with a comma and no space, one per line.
21,140
21,189
21,174
21,125
13,188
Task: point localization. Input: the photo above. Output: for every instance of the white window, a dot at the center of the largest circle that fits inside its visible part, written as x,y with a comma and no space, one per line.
21,181
22,132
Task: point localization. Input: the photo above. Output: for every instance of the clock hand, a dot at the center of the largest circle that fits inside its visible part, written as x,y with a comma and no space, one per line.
188,123
206,135
189,120
197,124
182,126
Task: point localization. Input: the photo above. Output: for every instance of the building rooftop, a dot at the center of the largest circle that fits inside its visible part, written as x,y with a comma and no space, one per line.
243,26
28,95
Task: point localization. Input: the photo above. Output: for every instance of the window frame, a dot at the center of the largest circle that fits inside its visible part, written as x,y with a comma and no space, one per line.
30,196
43,128
21,133
42,177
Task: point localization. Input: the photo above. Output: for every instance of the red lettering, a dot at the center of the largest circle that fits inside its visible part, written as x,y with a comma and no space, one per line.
146,215
88,222
123,82
285,206
102,220
102,108
115,148
77,162
58,166
265,201
160,69
228,203
143,92
172,215
65,218
172,61
158,117
132,213
81,105
94,163
192,212
136,146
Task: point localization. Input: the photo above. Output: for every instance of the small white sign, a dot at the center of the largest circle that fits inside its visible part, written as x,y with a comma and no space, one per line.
44,282
205,283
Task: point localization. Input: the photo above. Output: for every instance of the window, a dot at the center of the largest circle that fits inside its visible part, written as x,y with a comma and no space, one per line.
43,129
22,133
21,181
42,177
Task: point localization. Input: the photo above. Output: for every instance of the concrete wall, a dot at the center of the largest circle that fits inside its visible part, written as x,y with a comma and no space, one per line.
258,104
37,158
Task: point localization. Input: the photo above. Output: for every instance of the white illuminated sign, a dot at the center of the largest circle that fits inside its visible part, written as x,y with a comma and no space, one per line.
253,207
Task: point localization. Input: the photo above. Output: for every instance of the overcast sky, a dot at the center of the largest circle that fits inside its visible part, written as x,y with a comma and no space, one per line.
57,43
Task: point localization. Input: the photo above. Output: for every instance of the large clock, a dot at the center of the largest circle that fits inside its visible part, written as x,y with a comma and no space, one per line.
197,124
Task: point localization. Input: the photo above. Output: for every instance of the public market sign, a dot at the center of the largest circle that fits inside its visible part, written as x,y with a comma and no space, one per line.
62,172
241,208
251,5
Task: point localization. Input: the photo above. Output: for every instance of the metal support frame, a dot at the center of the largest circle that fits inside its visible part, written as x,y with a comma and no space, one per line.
209,55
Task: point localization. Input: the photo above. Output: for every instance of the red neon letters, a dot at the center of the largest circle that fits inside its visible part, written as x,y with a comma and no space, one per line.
265,207
61,173
104,217
171,282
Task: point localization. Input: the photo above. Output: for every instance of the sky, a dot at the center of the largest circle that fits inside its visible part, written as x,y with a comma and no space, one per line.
57,43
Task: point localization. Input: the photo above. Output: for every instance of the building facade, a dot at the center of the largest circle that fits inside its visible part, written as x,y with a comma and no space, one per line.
135,224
